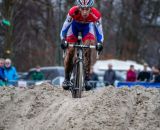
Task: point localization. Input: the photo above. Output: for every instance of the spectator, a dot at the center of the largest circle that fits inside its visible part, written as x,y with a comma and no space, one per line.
155,72
131,74
93,78
157,77
144,75
109,76
37,74
2,76
10,72
93,75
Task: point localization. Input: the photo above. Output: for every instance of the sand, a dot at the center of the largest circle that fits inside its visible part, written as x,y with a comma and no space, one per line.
46,107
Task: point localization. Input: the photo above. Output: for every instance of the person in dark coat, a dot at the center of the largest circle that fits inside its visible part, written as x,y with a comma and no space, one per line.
109,76
144,75
93,75
93,79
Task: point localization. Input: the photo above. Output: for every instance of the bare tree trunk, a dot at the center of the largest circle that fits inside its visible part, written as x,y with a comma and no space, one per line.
7,13
33,34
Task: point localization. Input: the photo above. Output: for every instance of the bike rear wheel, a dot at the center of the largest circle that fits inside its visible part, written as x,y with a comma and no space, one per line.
78,81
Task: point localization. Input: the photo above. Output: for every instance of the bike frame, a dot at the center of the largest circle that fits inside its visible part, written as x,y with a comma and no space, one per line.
78,68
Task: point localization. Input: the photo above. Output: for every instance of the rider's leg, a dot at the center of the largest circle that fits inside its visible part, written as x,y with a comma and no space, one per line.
87,65
88,39
68,63
87,59
71,38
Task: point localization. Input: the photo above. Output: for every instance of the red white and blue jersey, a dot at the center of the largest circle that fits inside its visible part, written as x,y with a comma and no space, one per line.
90,27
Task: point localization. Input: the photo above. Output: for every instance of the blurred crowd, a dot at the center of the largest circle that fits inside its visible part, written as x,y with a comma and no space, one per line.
133,75
9,74
145,75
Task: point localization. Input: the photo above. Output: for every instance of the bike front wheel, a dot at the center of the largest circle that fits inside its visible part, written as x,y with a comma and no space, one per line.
78,80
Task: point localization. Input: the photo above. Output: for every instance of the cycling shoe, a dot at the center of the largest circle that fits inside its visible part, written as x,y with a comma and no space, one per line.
67,84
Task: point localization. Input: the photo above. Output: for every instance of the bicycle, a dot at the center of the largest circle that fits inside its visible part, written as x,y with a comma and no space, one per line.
78,68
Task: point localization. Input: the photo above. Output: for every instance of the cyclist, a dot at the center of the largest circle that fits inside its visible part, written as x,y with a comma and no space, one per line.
86,19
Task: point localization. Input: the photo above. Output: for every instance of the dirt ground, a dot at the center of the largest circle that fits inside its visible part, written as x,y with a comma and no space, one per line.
48,108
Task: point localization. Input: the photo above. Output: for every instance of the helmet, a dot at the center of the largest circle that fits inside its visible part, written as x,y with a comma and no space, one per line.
85,3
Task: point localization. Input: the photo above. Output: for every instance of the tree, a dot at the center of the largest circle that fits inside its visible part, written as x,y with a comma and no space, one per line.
33,33
131,30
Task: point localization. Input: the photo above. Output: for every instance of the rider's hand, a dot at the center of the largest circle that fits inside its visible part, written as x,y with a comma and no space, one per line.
64,44
99,47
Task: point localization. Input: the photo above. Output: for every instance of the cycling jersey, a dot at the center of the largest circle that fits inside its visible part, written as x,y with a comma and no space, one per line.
90,27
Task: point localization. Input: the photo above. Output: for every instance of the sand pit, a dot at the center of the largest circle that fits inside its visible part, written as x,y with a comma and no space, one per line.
47,108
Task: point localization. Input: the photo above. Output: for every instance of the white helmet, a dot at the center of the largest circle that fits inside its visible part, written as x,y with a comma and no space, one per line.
85,3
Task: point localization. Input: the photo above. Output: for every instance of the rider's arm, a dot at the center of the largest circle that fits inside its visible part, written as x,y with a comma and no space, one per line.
99,30
66,26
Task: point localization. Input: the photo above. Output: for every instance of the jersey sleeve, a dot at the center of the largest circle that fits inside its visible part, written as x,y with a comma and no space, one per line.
99,30
65,27
95,14
73,11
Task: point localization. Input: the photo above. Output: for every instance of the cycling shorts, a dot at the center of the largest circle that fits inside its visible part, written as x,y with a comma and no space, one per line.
86,29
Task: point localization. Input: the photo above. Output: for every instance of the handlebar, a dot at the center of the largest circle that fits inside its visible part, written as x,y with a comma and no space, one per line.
81,46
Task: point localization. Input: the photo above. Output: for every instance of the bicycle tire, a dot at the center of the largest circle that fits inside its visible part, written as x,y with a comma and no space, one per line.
78,81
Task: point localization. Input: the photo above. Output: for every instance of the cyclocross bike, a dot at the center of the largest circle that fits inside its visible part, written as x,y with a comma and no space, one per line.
78,72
